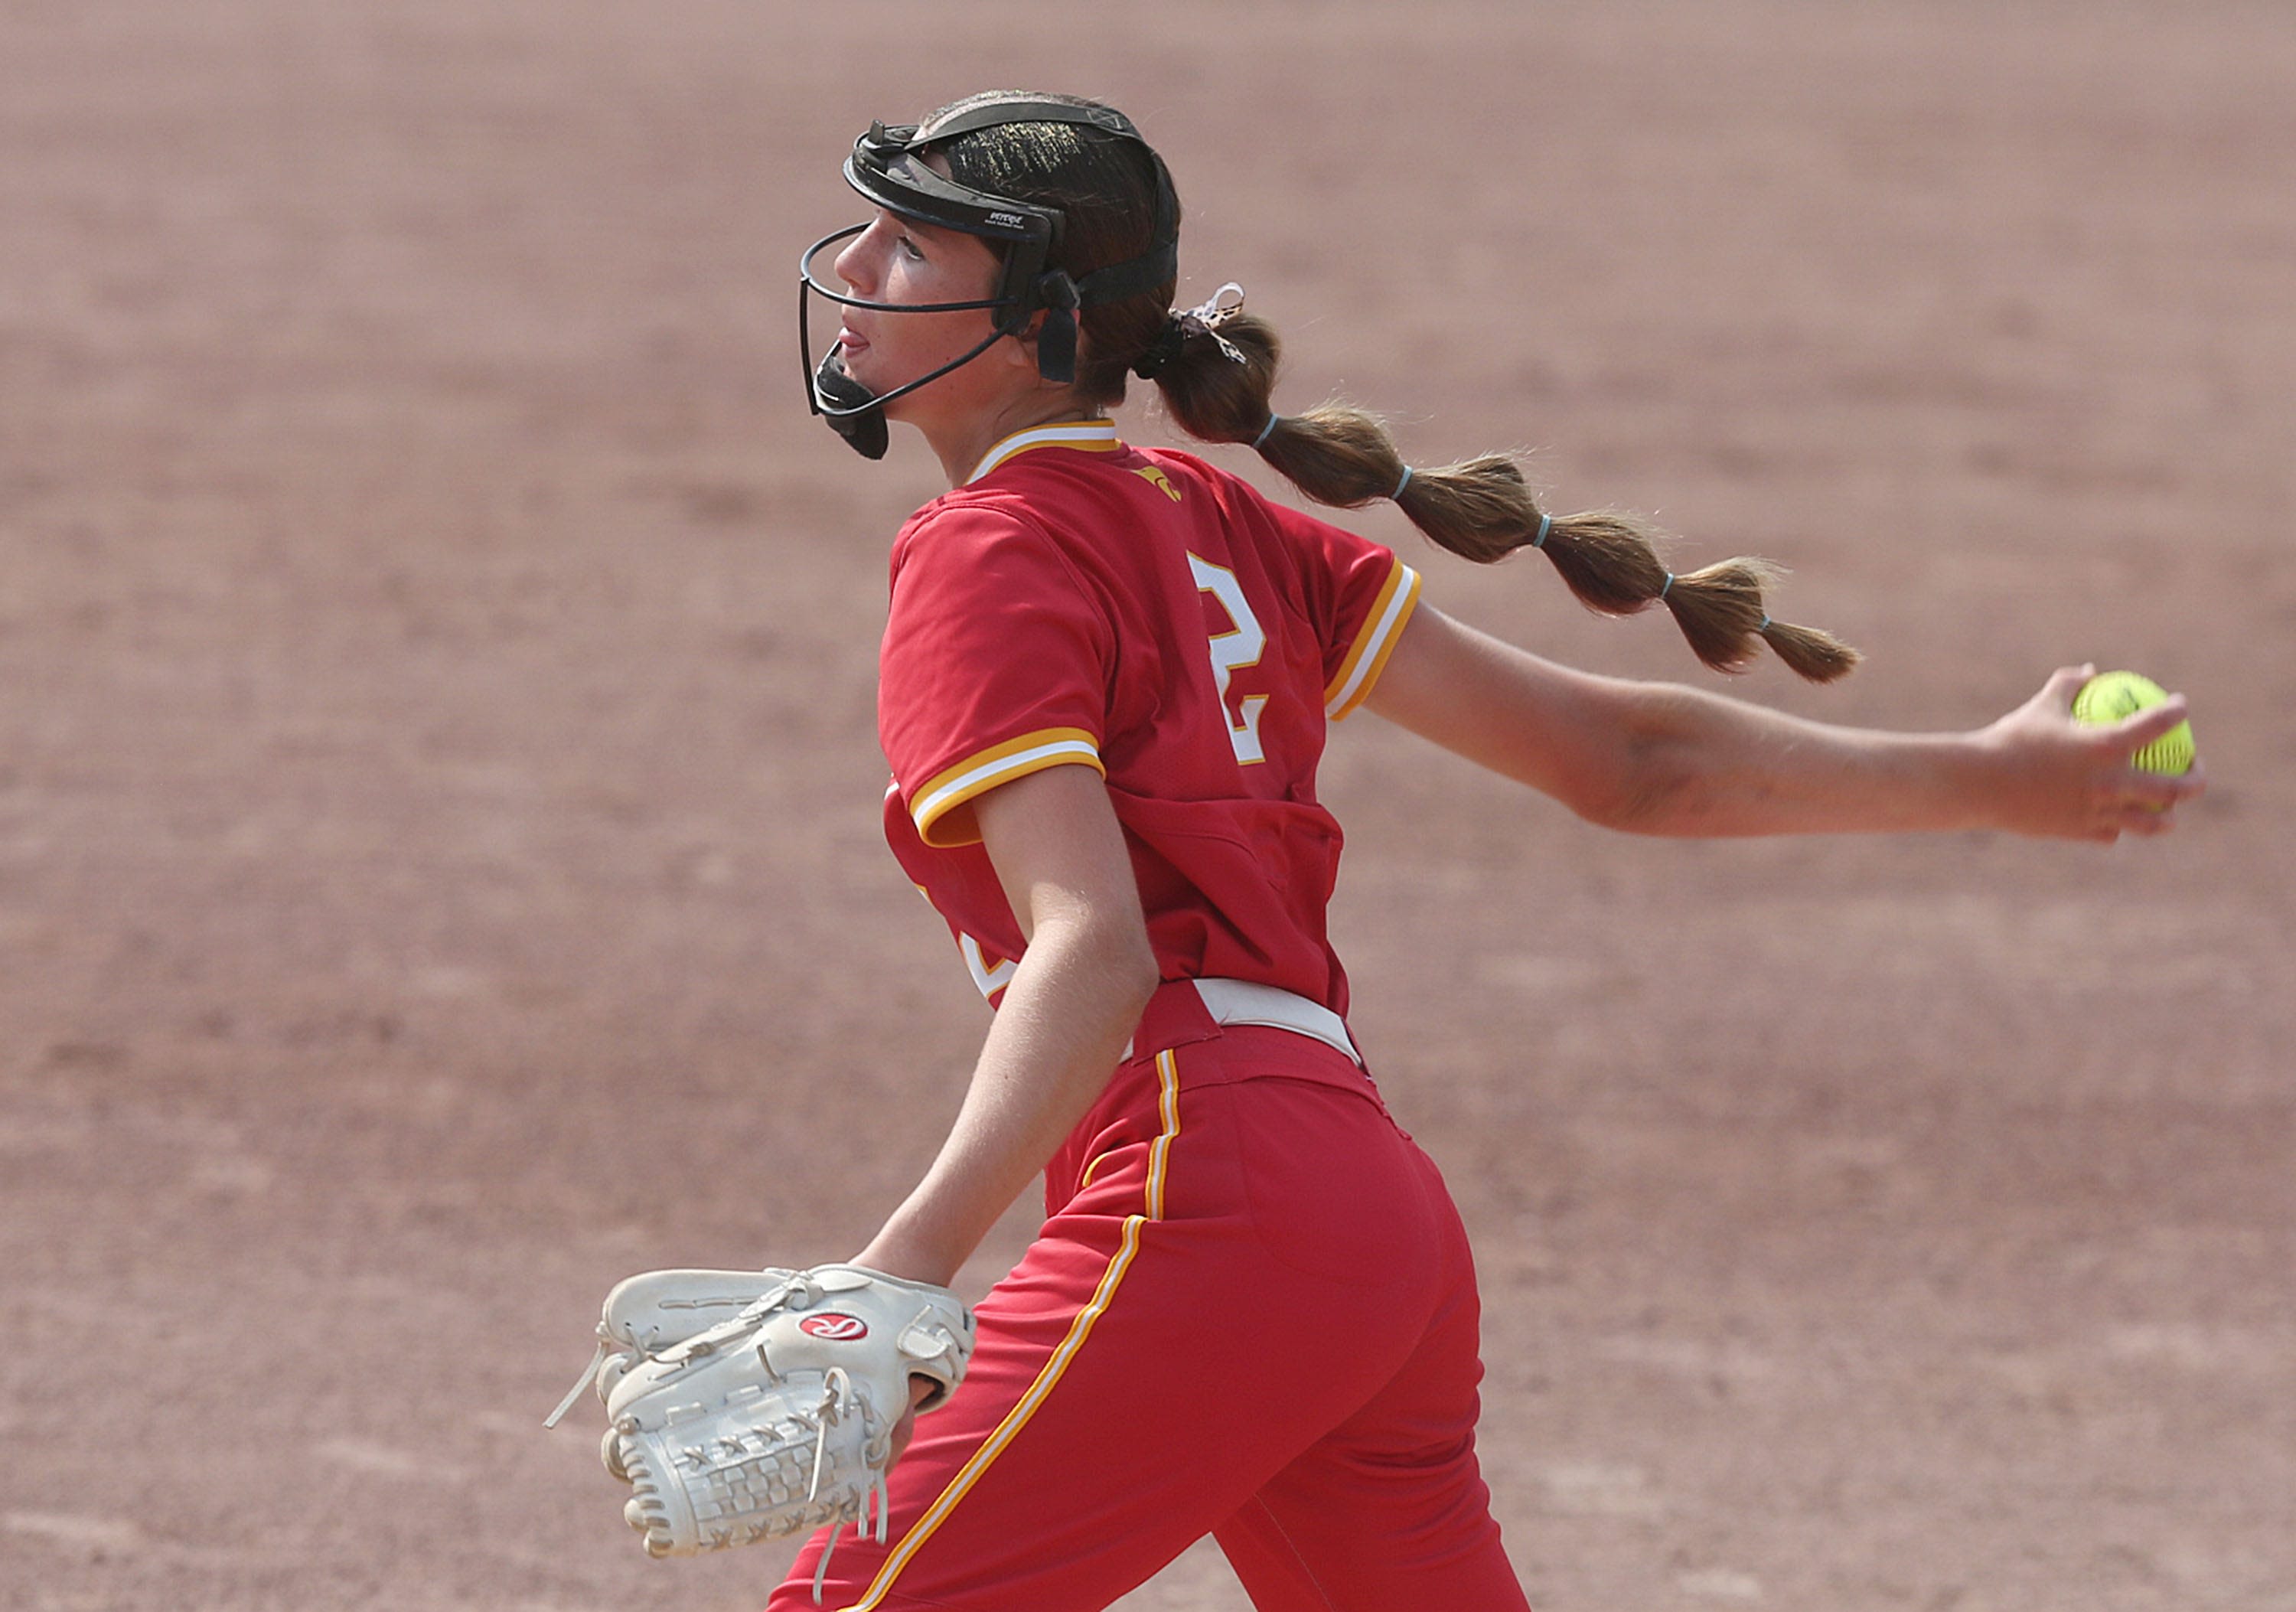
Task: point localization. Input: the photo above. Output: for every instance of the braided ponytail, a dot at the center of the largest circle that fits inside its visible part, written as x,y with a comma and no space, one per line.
1217,368
1480,508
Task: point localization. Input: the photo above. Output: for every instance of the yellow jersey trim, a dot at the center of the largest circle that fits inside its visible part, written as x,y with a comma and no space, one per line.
1167,1081
1087,436
983,771
1367,657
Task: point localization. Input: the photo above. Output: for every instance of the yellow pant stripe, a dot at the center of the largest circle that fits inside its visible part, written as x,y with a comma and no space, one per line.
1167,1081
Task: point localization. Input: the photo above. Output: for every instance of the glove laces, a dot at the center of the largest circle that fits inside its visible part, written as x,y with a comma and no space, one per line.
877,1502
589,1375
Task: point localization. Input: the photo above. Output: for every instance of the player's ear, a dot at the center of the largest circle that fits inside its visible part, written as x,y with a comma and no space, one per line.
1024,352
1021,349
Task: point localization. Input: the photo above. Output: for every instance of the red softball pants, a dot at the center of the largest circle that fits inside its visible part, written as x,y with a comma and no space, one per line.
1250,1313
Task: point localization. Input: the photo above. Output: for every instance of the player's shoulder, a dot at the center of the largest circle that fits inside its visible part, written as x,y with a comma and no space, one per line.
968,520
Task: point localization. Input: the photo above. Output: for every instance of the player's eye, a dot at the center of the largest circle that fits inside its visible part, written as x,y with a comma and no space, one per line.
911,250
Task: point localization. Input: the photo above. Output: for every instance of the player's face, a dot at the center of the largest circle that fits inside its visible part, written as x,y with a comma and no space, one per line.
897,260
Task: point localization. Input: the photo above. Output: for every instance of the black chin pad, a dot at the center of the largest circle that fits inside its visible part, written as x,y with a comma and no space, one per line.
864,431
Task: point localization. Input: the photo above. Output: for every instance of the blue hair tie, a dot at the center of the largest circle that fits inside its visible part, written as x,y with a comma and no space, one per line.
1545,522
1264,429
1402,483
1669,584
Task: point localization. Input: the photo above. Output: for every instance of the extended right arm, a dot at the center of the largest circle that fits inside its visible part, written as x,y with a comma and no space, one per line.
1660,759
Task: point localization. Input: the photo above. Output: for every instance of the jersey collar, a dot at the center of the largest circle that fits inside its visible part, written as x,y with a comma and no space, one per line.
1088,436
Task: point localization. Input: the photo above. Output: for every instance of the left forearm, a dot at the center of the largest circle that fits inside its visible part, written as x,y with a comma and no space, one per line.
1059,1032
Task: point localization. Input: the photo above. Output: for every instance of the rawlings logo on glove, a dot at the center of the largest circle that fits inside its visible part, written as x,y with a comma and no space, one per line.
748,1405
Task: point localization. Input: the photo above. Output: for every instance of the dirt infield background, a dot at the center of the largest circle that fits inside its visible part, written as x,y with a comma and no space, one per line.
438,857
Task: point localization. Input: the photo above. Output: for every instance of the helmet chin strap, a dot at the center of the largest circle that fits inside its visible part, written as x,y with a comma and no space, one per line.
1056,339
858,415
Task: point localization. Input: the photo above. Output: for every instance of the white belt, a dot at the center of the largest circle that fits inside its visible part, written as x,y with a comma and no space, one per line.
1243,1002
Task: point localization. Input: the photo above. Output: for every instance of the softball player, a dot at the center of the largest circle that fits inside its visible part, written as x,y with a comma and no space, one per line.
1106,678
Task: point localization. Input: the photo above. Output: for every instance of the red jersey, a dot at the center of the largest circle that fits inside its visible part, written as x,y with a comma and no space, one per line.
1083,603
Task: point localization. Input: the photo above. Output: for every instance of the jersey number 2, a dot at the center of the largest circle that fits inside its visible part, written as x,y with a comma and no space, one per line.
1234,650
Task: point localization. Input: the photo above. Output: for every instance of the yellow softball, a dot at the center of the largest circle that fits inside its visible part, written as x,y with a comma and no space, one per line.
2111,696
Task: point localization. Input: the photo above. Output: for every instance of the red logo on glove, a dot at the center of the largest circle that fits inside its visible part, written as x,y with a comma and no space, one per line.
835,1326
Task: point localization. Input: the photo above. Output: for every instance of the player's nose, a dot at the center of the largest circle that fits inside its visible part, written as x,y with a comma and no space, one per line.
857,264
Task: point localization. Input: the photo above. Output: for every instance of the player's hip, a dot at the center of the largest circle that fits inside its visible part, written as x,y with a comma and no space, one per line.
1252,1131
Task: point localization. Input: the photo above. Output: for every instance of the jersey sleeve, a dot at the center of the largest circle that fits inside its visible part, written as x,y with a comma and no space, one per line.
995,664
1363,595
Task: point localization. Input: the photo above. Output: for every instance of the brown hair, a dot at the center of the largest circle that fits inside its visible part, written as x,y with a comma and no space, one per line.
1217,382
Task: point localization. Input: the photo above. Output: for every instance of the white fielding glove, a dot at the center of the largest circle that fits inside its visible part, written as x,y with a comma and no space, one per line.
748,1405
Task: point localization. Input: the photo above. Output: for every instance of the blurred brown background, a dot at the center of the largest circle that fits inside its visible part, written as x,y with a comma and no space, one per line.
439,853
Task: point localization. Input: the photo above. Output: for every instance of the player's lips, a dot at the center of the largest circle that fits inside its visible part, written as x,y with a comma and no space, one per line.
850,342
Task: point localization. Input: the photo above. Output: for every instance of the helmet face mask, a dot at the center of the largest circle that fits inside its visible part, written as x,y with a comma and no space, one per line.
852,409
887,169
